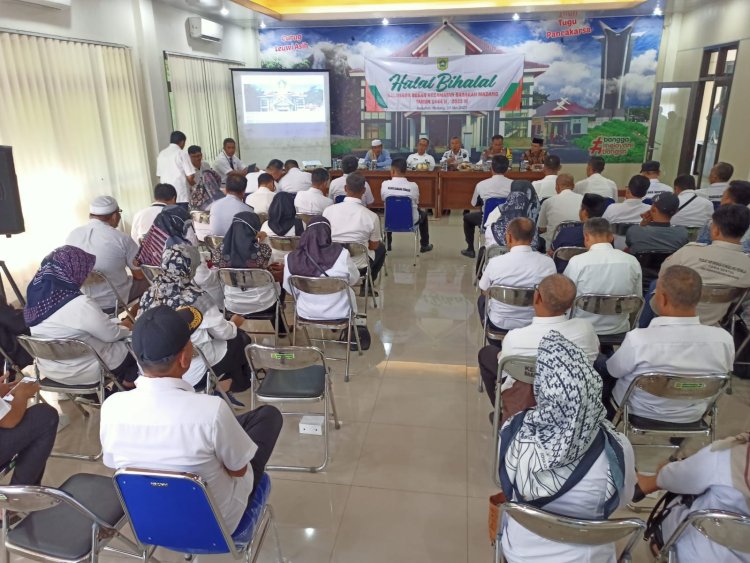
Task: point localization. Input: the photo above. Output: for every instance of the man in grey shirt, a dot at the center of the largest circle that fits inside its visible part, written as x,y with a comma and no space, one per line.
224,209
655,233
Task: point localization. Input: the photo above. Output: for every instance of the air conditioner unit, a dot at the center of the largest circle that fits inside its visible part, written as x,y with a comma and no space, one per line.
56,4
205,29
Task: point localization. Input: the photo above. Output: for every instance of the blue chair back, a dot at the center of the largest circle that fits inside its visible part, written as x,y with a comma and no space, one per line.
339,198
717,204
490,205
609,201
648,201
398,215
172,510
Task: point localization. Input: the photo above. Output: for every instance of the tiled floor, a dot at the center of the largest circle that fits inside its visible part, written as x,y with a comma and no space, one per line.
409,474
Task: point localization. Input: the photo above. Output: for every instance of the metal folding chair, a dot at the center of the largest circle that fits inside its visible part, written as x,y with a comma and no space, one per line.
561,256
489,253
399,219
9,364
284,244
252,278
620,229
176,511
263,217
304,217
357,249
564,225
214,242
578,531
601,304
294,374
150,272
650,265
325,286
60,350
97,278
74,522
520,368
722,527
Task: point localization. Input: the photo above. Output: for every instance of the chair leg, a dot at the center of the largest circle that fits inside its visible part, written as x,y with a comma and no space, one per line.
416,243
372,285
275,531
348,348
337,423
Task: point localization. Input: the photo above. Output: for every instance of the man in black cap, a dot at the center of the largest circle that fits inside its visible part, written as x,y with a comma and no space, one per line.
655,233
650,169
163,424
536,154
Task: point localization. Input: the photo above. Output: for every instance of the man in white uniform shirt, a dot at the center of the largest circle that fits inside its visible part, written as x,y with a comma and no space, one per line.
295,180
595,183
227,162
173,167
604,270
115,254
675,342
694,211
275,168
497,186
651,170
349,164
314,200
546,187
351,221
521,266
164,194
564,206
421,156
399,185
629,211
223,210
260,200
552,299
163,424
718,179
455,155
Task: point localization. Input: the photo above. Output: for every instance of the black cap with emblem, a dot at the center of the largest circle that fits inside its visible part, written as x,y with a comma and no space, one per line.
162,332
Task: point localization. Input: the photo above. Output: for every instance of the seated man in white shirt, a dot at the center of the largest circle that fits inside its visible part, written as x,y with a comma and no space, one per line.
521,266
275,168
651,170
604,270
675,342
164,194
694,211
630,211
173,167
399,185
294,180
595,183
455,155
562,207
546,187
314,200
497,186
115,254
164,425
349,164
552,299
227,163
421,157
260,200
718,179
351,221
224,209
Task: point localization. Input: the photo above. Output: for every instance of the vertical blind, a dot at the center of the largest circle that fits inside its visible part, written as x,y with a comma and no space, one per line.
72,114
202,101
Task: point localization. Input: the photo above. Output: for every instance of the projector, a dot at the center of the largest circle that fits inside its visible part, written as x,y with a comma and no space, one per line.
311,164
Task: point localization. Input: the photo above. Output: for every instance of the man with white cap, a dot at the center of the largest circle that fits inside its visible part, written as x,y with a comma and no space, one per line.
115,253
173,166
378,154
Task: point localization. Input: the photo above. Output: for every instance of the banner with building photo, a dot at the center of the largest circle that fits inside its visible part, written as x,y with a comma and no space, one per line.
468,83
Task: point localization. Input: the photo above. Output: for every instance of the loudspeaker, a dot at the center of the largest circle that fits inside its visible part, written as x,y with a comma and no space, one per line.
11,214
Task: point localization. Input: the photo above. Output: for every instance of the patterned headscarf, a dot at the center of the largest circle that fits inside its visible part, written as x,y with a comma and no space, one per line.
568,417
170,227
57,282
174,286
522,202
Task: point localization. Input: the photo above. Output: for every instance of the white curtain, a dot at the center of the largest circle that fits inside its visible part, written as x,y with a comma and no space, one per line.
202,101
71,112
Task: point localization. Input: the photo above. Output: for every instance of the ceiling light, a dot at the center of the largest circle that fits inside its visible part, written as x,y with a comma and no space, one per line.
385,21
516,17
657,10
263,25
224,11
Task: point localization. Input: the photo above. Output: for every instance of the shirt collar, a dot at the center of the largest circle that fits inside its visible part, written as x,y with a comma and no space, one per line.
727,245
353,200
400,179
666,321
264,188
521,248
601,246
158,204
158,384
549,320
314,189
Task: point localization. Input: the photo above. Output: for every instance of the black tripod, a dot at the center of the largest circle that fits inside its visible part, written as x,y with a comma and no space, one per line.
4,358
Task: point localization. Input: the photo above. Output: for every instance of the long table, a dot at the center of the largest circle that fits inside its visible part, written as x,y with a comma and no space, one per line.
439,190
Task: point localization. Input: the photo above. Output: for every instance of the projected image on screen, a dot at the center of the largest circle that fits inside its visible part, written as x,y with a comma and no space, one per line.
287,99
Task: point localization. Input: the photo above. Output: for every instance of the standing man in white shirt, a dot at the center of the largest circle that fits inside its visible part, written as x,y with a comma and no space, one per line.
275,168
349,164
545,187
115,254
421,156
399,185
163,424
227,163
295,180
224,209
455,155
675,342
173,167
694,211
164,194
595,183
651,170
521,266
314,200
351,221
260,200
565,206
718,180
498,185
604,270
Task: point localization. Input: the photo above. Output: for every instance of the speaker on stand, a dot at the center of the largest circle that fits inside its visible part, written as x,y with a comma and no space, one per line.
11,214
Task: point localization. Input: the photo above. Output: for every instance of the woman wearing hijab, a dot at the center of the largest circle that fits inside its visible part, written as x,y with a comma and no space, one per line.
282,221
316,257
522,202
56,308
221,342
563,456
